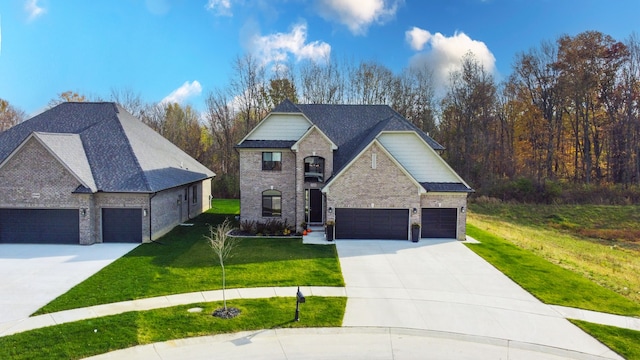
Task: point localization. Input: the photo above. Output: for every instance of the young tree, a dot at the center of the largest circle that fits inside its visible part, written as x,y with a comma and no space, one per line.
222,245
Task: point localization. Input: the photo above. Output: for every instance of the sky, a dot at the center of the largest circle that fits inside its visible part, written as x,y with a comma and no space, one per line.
181,50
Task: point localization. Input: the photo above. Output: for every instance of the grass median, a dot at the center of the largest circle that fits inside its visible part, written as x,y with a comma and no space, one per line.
96,336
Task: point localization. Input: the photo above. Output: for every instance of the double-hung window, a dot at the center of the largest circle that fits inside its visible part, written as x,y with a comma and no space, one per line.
271,161
271,203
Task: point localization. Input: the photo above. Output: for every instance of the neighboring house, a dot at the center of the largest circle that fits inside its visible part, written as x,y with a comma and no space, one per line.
364,166
84,173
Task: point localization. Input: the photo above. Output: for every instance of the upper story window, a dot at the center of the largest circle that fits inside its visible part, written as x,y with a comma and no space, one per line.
271,203
271,161
314,169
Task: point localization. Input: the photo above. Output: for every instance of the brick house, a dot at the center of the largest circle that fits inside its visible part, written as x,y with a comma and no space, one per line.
84,173
363,166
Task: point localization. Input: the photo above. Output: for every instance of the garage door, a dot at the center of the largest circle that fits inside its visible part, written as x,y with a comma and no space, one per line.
372,223
439,223
39,226
121,225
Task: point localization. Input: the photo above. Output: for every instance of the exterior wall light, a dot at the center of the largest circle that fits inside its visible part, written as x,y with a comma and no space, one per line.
462,210
330,210
144,212
83,211
414,211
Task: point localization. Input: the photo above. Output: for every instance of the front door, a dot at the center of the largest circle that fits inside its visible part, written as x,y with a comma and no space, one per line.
315,206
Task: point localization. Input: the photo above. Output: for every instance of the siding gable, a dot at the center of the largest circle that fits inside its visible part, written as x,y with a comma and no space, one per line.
280,127
422,162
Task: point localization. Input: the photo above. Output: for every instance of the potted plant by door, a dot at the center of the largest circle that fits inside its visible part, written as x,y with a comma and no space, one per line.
415,232
329,226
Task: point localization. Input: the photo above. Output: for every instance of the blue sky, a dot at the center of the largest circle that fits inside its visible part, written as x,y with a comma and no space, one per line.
180,50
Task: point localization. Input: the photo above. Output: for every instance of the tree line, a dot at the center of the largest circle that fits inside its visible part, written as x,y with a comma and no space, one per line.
568,113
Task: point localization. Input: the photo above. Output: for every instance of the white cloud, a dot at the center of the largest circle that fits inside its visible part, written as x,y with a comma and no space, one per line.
357,15
219,7
417,37
181,94
277,47
33,9
444,54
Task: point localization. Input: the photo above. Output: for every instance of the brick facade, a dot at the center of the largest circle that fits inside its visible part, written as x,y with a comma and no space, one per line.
447,200
34,179
255,181
386,186
314,144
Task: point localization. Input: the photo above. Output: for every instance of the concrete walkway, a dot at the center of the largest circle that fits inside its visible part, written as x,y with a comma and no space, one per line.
432,299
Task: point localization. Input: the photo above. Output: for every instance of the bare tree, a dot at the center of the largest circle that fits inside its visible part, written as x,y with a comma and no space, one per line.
129,100
248,85
222,245
321,83
468,124
9,115
413,97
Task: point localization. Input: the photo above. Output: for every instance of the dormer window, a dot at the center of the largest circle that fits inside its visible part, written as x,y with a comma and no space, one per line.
271,161
314,169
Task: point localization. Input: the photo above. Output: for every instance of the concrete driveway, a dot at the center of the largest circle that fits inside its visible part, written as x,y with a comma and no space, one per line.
32,275
443,286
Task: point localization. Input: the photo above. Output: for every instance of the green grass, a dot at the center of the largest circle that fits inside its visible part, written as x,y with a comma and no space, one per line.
225,206
597,242
623,341
550,283
183,262
96,336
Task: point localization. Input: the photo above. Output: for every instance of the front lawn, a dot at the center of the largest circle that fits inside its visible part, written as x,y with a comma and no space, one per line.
96,336
182,262
623,341
548,282
601,243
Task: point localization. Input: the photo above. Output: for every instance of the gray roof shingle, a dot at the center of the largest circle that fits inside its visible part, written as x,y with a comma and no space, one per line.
124,155
446,187
266,144
351,127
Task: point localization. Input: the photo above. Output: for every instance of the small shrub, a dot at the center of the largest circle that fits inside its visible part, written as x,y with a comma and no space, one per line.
248,226
270,227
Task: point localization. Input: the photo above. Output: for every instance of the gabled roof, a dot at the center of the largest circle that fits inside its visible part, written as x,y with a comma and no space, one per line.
351,127
122,153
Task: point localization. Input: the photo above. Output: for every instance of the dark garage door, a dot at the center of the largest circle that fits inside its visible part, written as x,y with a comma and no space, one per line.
39,226
439,223
121,225
372,223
